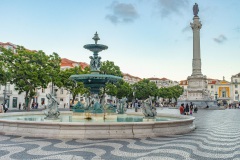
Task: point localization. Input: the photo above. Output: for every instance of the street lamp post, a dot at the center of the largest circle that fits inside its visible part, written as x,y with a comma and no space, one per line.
4,95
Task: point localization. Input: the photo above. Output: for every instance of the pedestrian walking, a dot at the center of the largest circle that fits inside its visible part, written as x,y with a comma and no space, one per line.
187,109
5,107
136,105
191,109
195,109
19,106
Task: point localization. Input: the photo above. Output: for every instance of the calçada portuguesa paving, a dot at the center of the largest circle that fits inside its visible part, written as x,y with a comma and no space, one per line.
217,136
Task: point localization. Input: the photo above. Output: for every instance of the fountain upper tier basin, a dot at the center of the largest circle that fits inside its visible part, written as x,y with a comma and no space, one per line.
95,81
95,47
98,128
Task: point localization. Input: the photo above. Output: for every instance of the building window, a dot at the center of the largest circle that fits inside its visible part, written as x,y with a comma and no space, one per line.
236,80
14,102
223,94
236,86
61,99
61,91
211,86
236,92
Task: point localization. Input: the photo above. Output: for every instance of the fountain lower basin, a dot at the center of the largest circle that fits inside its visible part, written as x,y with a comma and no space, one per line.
124,126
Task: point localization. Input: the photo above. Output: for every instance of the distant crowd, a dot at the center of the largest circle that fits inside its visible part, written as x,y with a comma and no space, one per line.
188,109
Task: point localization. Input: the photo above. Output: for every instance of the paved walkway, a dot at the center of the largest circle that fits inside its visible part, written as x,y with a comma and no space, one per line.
217,136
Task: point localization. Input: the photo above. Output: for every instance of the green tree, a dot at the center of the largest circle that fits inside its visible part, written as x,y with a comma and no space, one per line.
30,70
74,87
53,69
108,67
5,75
124,89
111,89
177,91
170,92
144,88
120,89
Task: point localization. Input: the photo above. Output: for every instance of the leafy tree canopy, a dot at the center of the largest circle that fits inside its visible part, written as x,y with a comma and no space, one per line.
74,87
120,89
108,67
5,75
31,69
170,92
144,88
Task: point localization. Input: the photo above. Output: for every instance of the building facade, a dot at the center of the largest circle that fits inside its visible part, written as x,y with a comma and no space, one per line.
163,82
223,91
130,78
9,46
235,82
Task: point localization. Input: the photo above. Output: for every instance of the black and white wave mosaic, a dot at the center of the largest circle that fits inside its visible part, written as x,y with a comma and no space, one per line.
217,136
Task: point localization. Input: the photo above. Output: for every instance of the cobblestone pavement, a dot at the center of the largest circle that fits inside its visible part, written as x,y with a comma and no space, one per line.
217,136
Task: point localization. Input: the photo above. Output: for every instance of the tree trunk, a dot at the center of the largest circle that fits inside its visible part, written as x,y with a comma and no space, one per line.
27,101
74,96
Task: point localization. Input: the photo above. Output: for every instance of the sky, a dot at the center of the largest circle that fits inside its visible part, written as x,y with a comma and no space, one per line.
145,38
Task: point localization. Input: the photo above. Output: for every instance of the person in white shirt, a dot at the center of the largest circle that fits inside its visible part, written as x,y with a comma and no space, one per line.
5,107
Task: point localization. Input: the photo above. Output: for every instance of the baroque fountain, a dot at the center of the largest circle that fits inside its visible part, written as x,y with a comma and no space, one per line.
95,81
96,124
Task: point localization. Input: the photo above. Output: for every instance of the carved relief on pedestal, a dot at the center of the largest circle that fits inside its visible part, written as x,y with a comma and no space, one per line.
95,63
196,25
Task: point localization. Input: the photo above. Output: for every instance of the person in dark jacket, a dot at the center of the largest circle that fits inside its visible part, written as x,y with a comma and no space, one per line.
187,109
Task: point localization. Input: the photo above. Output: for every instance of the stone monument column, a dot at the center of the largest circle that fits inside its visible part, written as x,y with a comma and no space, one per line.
196,62
196,91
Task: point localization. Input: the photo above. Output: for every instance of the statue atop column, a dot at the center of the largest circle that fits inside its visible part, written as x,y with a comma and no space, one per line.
195,10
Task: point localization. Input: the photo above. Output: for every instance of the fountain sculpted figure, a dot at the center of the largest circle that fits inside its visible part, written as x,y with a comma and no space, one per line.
95,105
148,110
81,105
95,63
52,108
121,109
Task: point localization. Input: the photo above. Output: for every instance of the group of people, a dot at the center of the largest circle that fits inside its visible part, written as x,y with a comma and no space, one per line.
233,106
188,109
34,105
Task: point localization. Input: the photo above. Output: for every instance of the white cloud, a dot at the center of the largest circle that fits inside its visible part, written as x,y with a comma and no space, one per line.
122,13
